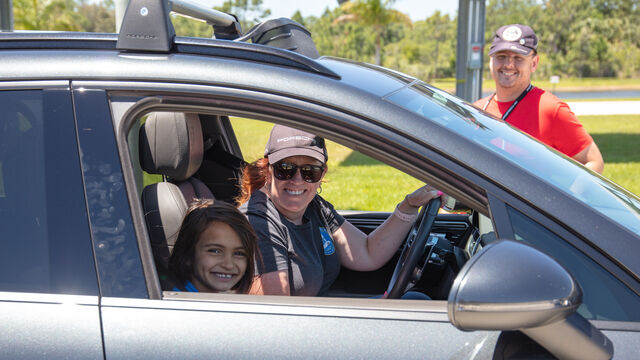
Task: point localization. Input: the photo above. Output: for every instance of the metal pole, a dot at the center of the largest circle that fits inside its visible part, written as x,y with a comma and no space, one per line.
6,15
462,48
477,38
469,52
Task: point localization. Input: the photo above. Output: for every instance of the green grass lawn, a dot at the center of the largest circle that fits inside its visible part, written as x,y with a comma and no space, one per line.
565,84
618,137
353,182
357,182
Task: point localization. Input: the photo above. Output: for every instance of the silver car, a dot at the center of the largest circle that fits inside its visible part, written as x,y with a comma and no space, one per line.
541,261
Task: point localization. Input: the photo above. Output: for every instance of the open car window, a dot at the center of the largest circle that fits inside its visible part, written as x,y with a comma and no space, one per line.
362,189
366,190
354,181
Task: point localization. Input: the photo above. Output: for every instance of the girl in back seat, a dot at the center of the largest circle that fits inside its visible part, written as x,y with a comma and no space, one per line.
215,249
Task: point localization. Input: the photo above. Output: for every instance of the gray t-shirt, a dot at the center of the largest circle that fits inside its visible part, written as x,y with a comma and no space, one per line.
306,251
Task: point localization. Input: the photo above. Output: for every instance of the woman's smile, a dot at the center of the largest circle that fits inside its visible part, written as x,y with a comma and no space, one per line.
292,196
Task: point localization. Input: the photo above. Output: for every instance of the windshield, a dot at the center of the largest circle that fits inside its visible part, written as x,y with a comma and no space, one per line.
534,157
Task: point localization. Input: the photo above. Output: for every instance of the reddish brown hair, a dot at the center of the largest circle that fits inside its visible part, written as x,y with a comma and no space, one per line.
254,176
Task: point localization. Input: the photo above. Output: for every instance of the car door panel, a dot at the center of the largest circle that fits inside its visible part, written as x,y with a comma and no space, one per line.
39,326
285,329
625,342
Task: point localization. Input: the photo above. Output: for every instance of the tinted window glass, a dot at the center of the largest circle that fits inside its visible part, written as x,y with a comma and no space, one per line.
514,146
115,242
45,244
604,297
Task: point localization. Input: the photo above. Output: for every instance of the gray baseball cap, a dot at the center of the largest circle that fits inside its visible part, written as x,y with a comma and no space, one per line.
285,141
515,37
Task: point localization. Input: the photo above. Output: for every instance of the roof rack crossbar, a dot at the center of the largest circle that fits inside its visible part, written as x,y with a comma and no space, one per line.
225,26
211,16
146,26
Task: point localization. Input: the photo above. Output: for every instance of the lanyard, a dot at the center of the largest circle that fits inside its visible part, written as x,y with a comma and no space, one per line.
513,106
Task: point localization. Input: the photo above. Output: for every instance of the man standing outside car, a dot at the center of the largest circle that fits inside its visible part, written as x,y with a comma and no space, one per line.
513,58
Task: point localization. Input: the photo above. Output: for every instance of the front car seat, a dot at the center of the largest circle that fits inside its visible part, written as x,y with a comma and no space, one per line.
171,144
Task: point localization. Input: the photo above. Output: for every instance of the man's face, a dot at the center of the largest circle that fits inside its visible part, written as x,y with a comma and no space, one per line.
511,70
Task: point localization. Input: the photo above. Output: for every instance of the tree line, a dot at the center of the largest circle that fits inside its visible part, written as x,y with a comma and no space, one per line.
577,38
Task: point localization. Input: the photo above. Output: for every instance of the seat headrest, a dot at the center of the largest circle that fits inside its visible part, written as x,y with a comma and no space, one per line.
165,207
171,144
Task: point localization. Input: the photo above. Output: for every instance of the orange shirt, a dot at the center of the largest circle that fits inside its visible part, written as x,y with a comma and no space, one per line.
546,118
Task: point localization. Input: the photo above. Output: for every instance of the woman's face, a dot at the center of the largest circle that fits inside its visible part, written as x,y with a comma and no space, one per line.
220,260
291,197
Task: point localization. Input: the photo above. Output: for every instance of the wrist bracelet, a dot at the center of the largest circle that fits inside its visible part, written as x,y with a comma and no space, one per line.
404,217
406,198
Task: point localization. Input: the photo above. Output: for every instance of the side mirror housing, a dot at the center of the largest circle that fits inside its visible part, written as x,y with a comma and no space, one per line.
509,285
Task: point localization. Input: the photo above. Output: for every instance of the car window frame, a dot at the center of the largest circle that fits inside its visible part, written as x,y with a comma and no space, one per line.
130,100
208,99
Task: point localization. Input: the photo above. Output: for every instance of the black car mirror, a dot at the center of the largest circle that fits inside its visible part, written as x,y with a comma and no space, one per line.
509,285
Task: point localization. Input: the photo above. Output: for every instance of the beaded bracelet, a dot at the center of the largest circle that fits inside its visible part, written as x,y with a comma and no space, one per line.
404,217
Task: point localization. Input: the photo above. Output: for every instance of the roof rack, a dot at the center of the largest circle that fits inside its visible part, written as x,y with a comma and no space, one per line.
146,26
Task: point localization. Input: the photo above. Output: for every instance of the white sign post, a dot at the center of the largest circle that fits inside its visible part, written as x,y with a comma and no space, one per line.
554,79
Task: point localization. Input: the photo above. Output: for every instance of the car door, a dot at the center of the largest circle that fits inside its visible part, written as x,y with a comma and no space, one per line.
169,324
154,324
48,285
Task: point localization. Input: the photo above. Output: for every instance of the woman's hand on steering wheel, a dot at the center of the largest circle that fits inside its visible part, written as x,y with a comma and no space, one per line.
412,202
415,245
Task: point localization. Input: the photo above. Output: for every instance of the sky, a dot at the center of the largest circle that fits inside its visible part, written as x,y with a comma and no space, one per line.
416,9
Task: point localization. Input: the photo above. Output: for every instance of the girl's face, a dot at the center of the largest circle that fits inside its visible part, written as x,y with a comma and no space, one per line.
220,260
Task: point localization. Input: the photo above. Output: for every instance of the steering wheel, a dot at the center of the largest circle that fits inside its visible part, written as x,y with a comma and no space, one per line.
413,250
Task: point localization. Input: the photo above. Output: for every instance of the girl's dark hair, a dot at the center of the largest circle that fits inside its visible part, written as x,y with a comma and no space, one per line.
254,176
200,214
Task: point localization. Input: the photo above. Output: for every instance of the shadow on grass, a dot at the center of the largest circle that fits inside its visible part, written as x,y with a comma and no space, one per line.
618,148
358,159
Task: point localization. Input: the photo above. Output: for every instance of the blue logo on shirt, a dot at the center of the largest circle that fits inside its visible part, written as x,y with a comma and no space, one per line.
327,242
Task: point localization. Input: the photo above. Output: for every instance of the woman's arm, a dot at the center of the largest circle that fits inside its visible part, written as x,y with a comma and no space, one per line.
360,252
271,283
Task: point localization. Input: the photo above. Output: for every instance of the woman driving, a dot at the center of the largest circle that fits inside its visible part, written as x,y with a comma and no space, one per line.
301,238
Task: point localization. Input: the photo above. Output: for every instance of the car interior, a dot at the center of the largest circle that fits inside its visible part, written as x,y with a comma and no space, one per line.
189,155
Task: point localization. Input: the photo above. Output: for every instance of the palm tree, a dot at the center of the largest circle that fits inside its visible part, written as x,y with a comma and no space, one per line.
376,14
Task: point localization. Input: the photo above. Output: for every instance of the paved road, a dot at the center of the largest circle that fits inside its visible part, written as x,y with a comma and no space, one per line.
605,107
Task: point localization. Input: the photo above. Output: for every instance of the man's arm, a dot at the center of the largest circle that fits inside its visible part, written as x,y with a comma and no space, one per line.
591,158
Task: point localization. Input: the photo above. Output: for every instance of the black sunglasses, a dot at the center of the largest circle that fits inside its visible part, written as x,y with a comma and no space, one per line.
285,171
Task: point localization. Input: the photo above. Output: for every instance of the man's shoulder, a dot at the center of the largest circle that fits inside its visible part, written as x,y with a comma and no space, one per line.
546,96
550,103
